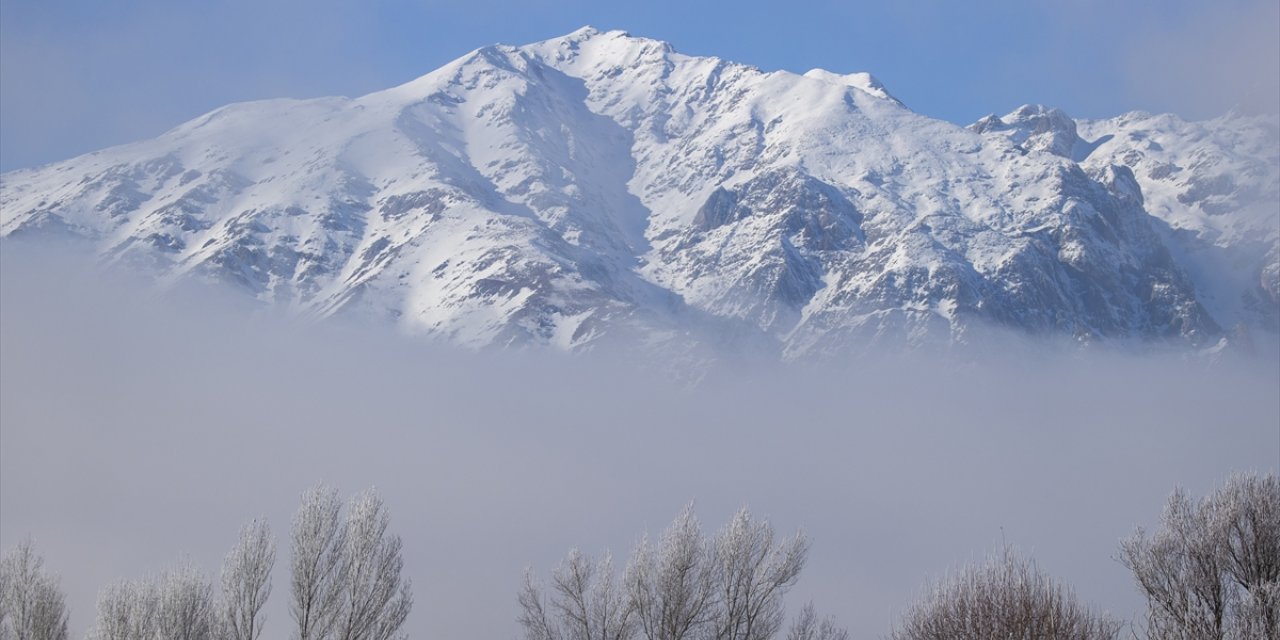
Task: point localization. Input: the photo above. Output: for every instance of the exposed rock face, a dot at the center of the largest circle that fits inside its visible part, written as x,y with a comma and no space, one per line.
1214,187
601,186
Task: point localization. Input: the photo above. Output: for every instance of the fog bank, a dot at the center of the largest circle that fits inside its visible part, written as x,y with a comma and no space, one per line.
136,429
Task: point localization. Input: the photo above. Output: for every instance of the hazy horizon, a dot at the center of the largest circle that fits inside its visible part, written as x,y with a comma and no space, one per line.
137,429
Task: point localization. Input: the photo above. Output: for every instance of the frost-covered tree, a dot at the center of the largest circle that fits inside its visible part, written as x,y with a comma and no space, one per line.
1212,571
5,631
32,605
585,603
1007,597
807,626
1248,508
377,599
246,582
671,584
127,610
347,573
684,586
186,607
753,572
318,538
178,605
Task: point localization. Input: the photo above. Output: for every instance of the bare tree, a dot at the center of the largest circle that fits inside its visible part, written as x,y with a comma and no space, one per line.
186,608
586,603
1248,506
1179,569
318,539
537,622
177,605
347,582
377,598
1009,598
32,605
686,586
1256,616
671,585
807,626
128,611
753,573
5,584
246,582
1212,571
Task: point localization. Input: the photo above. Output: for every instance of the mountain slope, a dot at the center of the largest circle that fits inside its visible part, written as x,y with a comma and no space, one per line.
1213,187
600,187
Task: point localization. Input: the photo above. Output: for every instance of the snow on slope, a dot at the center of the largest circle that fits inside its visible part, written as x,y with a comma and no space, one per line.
1214,186
860,80
603,186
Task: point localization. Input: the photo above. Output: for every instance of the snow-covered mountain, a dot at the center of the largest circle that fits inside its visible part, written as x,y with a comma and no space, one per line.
601,186
1214,186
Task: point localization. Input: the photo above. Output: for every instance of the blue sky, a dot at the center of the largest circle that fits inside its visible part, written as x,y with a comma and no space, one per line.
77,75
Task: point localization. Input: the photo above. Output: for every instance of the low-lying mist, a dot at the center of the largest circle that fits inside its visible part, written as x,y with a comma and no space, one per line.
137,430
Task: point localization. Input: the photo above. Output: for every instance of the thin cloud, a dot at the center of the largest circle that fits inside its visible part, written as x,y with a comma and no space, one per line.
1221,57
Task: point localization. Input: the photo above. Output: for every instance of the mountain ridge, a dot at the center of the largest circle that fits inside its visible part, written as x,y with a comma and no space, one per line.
600,185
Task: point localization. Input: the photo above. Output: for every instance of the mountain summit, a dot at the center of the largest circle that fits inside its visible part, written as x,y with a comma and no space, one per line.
602,186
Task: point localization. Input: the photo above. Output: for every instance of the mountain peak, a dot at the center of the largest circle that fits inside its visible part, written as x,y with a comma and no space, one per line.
589,32
860,80
590,45
583,32
1035,127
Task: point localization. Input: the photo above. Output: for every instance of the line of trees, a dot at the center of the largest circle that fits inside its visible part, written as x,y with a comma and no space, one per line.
1210,572
346,585
685,585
